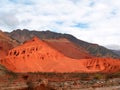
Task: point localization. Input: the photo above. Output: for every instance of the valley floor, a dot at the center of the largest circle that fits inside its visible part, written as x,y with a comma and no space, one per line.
45,84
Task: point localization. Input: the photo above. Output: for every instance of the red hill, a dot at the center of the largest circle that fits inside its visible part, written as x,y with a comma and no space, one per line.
37,56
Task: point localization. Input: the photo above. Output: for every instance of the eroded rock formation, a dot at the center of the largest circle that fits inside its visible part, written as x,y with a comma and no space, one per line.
102,64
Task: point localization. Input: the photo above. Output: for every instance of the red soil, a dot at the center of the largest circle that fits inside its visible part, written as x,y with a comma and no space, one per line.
68,48
37,56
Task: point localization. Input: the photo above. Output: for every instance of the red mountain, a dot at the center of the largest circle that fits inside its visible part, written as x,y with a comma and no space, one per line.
38,56
35,55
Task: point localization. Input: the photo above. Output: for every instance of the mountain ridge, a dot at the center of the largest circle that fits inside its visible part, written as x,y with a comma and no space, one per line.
117,52
94,49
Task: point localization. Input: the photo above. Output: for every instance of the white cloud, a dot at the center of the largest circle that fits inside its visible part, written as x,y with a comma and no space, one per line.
102,17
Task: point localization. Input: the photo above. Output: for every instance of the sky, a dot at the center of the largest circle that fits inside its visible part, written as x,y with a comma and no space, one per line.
95,21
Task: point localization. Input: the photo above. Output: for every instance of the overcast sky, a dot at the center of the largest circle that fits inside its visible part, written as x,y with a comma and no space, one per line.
96,21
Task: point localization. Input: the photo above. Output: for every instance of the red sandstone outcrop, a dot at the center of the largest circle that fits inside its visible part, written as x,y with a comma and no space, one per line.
102,65
37,56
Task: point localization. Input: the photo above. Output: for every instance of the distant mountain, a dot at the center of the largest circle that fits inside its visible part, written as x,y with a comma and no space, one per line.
94,49
117,52
6,43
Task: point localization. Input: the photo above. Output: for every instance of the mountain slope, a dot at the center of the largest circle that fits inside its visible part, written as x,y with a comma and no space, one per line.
68,48
6,43
94,49
37,56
